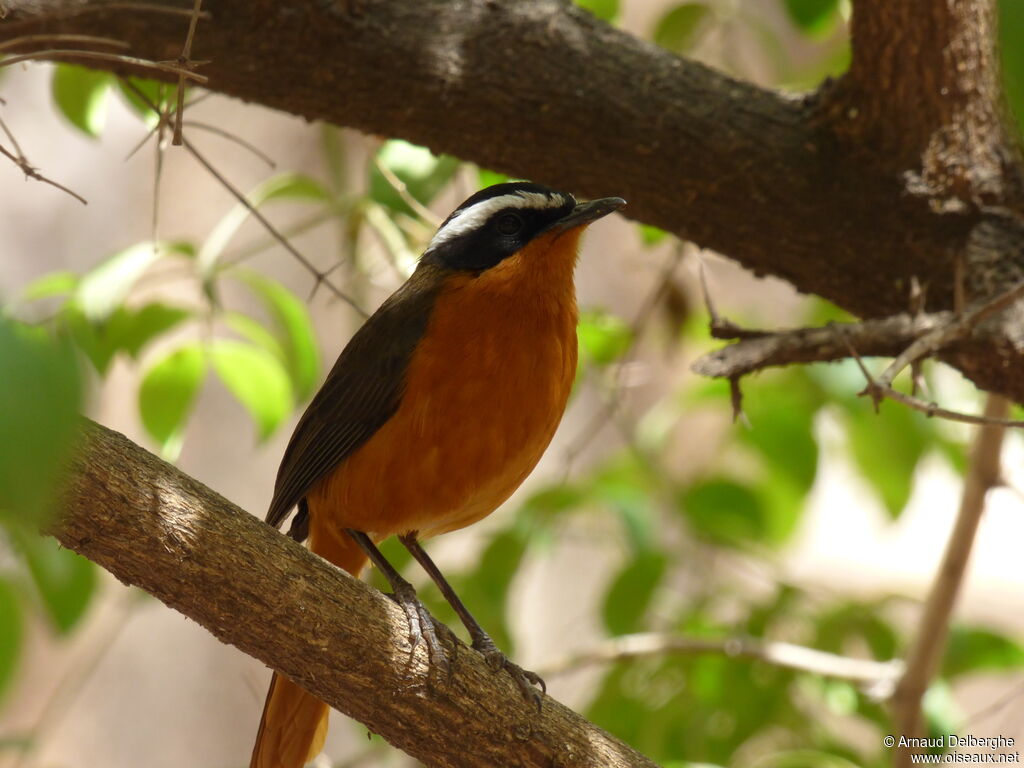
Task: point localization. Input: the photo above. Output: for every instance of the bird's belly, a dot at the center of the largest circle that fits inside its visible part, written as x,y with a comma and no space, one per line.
479,410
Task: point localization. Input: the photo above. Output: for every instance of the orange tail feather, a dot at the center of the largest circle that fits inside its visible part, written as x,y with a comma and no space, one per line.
294,723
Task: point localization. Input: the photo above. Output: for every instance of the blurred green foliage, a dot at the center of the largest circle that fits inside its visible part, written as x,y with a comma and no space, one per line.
745,500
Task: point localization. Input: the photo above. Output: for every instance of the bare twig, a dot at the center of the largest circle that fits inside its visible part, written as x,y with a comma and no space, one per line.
930,641
185,61
59,38
877,675
31,172
954,330
321,277
233,138
883,337
79,10
60,53
403,192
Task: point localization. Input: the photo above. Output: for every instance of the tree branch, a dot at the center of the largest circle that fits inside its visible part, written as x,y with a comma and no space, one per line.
851,194
154,527
878,677
930,640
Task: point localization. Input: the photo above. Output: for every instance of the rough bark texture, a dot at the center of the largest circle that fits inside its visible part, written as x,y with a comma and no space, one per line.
901,168
154,527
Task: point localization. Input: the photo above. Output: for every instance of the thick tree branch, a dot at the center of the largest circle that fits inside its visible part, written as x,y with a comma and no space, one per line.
152,526
887,176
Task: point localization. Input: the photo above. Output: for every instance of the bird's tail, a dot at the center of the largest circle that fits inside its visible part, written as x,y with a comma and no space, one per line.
294,723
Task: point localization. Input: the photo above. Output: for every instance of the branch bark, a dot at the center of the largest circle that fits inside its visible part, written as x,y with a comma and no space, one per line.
900,170
154,527
929,643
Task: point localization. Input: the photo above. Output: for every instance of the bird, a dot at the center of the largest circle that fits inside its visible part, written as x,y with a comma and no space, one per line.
435,412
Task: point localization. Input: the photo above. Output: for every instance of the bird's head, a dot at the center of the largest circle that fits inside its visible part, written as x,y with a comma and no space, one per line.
512,219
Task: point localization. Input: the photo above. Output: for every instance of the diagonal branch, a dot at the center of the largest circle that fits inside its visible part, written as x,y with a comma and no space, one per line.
929,642
152,526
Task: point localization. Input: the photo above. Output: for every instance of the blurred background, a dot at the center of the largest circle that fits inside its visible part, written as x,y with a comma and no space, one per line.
811,521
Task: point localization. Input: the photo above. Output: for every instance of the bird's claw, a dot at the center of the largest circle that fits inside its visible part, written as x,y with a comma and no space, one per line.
421,627
524,678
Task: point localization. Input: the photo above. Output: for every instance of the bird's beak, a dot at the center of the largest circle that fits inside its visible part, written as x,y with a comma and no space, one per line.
588,212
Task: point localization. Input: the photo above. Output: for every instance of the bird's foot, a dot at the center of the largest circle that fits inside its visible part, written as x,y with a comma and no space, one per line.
421,626
524,678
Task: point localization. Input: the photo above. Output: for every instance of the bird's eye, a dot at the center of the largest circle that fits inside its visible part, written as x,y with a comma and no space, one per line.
509,224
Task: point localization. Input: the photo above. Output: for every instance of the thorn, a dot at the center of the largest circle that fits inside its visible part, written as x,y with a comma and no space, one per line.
706,294
736,398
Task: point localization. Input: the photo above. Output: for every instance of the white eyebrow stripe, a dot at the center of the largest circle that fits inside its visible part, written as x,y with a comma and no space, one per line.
471,218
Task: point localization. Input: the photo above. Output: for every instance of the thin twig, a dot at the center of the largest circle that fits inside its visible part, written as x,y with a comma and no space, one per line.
78,10
403,192
10,136
31,172
62,38
930,641
321,278
232,137
185,61
959,327
55,53
876,674
931,409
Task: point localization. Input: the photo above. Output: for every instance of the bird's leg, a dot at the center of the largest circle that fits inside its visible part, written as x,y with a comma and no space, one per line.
421,623
482,642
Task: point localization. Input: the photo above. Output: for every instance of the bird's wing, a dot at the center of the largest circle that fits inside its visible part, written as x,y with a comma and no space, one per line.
362,391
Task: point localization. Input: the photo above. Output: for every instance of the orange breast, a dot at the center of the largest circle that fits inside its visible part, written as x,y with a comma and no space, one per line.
485,391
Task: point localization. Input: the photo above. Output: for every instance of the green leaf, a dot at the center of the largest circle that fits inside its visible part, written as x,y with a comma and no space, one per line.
725,512
887,448
603,337
167,394
941,713
287,186
974,649
257,380
625,486
41,393
255,332
66,581
486,178
606,10
850,624
423,174
1011,50
677,30
631,592
813,17
781,412
105,287
50,284
81,96
294,331
132,329
649,235
11,635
